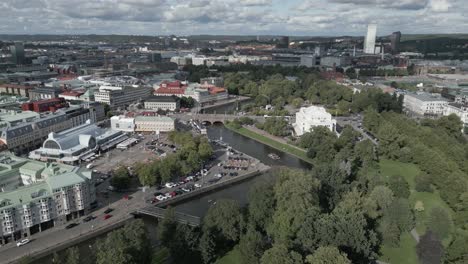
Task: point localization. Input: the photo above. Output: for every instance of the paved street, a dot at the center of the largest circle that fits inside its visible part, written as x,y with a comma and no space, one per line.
356,122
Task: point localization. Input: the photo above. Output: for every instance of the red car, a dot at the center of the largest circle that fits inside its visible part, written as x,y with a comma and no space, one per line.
173,194
107,216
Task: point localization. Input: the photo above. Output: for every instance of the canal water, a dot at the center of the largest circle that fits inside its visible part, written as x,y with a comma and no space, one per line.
200,205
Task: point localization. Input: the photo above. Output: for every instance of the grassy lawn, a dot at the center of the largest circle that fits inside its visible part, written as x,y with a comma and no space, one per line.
389,168
295,151
405,253
232,257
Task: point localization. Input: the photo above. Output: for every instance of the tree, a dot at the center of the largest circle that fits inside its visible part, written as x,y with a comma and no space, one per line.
348,227
457,249
251,246
279,254
328,255
121,178
399,186
205,150
56,258
226,217
399,213
390,233
295,194
167,227
382,196
422,183
25,260
73,255
128,245
429,249
439,222
208,246
261,204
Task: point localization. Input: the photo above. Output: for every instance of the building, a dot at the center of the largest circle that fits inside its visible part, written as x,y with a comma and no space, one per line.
47,105
395,38
74,145
425,103
154,124
17,53
121,97
369,41
308,61
143,123
40,93
123,123
334,61
97,108
283,42
167,88
78,115
458,109
309,117
36,196
23,131
15,89
166,103
71,95
216,81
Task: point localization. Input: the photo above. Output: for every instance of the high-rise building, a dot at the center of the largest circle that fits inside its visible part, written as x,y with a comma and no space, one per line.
369,42
395,41
283,42
17,53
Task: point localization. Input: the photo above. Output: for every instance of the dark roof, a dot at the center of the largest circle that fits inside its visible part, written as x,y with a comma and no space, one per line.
171,99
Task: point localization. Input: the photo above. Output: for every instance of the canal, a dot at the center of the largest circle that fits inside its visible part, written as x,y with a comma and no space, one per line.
200,205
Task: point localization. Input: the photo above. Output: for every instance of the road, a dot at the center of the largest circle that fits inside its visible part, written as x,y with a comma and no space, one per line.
356,122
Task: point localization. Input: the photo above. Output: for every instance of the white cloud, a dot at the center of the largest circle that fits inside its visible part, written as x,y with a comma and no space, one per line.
439,5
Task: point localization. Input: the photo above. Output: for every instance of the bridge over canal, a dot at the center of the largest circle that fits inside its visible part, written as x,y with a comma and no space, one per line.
160,213
214,118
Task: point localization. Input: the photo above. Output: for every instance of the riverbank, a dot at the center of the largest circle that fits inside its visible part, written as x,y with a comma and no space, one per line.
287,148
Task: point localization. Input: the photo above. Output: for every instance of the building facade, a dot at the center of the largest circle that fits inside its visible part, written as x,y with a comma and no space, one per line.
120,97
154,124
166,103
369,41
309,117
459,110
75,145
36,196
425,104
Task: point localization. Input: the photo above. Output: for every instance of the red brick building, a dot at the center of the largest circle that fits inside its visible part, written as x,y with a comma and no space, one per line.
49,105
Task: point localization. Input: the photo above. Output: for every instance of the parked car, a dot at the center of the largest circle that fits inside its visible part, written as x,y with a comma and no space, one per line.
173,194
22,242
72,225
89,218
108,210
161,197
107,216
158,193
170,185
197,185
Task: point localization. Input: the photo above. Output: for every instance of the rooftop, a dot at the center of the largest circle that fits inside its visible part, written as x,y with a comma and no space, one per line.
427,97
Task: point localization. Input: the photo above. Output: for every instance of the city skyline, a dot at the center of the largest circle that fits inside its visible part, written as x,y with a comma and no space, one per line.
244,17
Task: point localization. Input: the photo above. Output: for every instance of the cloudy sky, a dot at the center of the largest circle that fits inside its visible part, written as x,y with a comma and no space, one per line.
289,17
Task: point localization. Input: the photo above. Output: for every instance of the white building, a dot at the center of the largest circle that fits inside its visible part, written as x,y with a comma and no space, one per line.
154,124
143,123
369,42
425,103
309,117
460,110
123,123
170,103
116,96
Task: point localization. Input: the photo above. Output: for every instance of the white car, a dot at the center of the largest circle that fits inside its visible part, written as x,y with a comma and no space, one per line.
161,197
197,185
22,242
170,185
